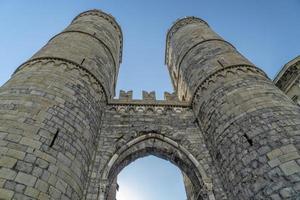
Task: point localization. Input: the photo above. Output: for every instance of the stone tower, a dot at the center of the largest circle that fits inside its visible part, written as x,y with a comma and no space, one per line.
250,127
230,130
52,107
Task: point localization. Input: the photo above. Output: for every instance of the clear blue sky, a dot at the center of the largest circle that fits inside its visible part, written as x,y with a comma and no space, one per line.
267,32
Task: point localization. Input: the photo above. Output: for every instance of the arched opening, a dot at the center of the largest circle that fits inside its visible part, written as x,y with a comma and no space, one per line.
162,147
150,178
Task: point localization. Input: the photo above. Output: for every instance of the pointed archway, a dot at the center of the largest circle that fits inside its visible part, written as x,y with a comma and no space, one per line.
162,147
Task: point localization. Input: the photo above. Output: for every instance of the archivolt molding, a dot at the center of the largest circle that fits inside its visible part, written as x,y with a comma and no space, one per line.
110,19
223,73
158,142
69,65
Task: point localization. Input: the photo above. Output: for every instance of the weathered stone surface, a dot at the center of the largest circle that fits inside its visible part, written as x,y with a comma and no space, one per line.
7,173
290,168
51,108
231,132
250,127
7,162
32,192
26,179
6,194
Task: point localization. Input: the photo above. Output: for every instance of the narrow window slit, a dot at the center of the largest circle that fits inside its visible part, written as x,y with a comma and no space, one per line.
54,138
218,156
250,141
82,61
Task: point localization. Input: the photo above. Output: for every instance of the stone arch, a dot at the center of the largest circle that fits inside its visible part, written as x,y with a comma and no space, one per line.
162,147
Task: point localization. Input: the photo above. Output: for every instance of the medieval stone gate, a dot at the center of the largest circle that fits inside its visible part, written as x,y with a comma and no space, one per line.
230,130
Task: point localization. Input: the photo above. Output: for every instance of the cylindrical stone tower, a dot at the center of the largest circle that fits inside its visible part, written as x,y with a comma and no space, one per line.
51,108
251,128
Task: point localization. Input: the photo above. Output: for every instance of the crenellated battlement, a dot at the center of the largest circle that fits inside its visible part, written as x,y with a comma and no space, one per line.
148,98
125,95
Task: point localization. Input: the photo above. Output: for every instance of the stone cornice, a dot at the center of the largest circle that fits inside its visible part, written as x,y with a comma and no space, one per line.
66,61
176,26
288,74
110,19
156,103
233,68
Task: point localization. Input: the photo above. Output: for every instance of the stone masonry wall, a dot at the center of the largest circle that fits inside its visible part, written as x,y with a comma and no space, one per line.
138,128
51,109
251,128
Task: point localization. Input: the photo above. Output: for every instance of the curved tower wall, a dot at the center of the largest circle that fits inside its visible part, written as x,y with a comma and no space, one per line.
251,128
51,108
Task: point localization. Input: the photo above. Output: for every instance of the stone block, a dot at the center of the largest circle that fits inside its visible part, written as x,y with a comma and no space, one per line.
37,171
61,185
45,156
44,196
289,148
2,135
287,192
6,194
30,142
42,185
2,181
45,176
20,188
52,179
7,161
25,179
53,169
274,154
41,163
292,155
10,185
54,192
24,166
290,168
30,158
7,173
32,192
16,154
13,137
64,159
275,162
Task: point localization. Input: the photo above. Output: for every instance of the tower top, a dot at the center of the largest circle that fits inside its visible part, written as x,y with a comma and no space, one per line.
179,23
110,19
